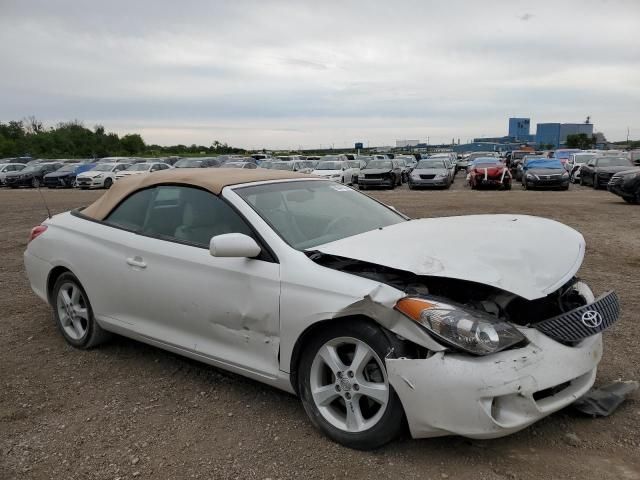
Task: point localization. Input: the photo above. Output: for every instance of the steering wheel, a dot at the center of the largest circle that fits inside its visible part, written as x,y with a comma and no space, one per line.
333,223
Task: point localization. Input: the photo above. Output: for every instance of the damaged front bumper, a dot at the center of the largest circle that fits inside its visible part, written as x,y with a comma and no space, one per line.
493,396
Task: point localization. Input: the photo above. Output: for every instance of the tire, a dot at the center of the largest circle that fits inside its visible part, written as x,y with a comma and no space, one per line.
68,299
107,183
35,182
507,186
582,183
596,185
411,187
380,421
342,180
362,187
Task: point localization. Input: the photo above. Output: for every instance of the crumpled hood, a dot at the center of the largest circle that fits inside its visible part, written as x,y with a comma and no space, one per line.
525,255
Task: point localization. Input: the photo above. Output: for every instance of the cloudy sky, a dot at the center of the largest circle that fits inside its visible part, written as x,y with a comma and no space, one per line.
310,73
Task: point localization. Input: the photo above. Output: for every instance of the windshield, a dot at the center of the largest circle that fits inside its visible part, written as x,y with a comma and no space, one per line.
353,164
282,166
613,162
310,213
329,166
69,167
430,164
103,167
583,158
32,168
526,161
139,167
379,164
485,161
188,163
304,164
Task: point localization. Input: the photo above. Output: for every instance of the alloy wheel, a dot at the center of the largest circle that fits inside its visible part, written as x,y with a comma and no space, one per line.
72,310
349,384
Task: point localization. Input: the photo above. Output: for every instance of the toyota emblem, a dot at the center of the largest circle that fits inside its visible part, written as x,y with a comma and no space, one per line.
592,319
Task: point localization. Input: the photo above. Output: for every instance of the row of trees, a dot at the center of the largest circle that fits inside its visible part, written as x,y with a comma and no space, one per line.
29,137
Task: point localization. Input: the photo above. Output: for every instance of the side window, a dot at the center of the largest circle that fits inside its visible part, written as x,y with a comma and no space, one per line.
191,215
163,166
131,213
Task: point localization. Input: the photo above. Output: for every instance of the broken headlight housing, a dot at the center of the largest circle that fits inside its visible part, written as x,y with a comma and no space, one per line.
471,331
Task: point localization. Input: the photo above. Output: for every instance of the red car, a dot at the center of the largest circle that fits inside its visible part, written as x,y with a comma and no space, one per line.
489,172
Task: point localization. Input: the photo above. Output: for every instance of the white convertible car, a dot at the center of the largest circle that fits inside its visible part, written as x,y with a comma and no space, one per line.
319,290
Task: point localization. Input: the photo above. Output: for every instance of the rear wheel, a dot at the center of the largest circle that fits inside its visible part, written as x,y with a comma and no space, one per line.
344,387
73,314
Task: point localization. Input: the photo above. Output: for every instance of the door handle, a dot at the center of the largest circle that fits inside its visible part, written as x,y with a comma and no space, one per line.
136,262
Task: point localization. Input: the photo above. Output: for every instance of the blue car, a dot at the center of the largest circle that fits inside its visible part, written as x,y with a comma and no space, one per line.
65,177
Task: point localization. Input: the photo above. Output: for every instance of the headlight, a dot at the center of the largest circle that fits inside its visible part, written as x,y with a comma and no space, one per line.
565,174
99,176
531,176
438,176
470,331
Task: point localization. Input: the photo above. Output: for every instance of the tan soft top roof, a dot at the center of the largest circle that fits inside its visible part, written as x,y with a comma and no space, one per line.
212,179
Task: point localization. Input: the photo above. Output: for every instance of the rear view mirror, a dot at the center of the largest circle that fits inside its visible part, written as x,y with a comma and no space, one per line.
234,245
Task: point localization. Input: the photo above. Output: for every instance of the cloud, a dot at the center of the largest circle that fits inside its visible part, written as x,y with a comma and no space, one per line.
284,73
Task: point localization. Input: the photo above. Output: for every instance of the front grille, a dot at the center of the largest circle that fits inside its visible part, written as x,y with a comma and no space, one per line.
54,182
550,177
373,175
427,177
604,177
616,181
83,181
584,321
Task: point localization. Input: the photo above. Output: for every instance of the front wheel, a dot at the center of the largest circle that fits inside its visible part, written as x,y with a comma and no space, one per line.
596,182
107,183
344,387
73,314
35,183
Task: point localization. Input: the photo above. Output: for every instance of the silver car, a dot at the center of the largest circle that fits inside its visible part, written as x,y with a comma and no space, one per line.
430,172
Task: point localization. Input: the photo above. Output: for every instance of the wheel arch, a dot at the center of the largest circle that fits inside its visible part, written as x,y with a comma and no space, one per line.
304,338
54,274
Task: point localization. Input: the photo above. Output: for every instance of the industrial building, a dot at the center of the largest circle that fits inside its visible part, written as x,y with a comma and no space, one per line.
519,129
555,134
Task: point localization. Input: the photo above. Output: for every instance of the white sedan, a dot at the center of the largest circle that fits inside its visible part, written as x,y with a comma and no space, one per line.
319,290
142,168
101,176
339,171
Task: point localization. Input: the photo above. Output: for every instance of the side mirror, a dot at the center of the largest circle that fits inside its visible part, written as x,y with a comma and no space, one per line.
234,245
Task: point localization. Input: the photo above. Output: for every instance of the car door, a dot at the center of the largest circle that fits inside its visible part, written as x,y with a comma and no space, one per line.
225,309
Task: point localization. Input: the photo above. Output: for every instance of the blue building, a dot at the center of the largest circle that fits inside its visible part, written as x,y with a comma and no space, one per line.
519,128
556,133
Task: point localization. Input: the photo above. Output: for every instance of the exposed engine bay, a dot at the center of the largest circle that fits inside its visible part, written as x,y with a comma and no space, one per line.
491,300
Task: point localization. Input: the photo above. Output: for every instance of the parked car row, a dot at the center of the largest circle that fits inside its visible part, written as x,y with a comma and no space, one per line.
483,169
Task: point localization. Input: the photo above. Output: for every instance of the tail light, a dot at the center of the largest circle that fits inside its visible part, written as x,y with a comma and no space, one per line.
36,232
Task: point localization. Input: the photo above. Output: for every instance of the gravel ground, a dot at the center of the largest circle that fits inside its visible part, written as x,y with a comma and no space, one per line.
127,410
